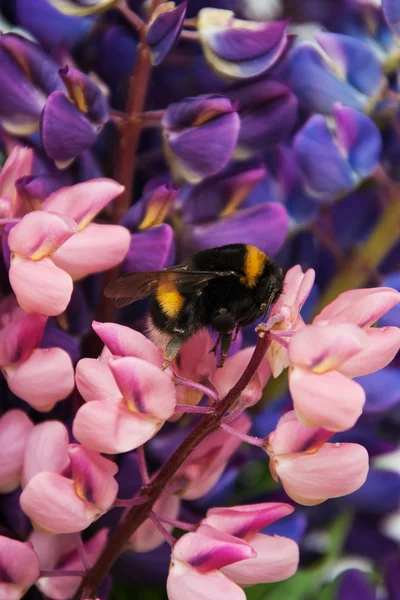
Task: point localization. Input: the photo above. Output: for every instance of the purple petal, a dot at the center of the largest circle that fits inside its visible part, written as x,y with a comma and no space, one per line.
316,86
325,170
263,226
391,11
380,493
64,29
359,137
203,151
393,316
86,94
150,250
65,130
355,59
268,113
37,65
195,111
54,337
34,189
158,197
392,576
292,527
354,585
240,48
20,102
223,193
382,389
164,29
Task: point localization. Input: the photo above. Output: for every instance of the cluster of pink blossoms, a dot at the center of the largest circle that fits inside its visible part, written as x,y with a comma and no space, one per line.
128,398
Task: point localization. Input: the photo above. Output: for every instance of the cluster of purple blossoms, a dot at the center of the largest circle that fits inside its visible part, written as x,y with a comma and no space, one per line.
134,134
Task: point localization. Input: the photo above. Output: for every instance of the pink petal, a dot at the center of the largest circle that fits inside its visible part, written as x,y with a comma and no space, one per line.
51,502
19,337
20,568
39,234
46,450
15,427
124,341
110,427
207,549
382,346
278,358
63,588
333,471
224,379
206,463
297,286
44,379
40,286
144,387
97,248
331,400
325,347
185,583
277,559
83,201
147,537
95,381
50,548
246,520
93,476
292,436
195,360
18,164
363,306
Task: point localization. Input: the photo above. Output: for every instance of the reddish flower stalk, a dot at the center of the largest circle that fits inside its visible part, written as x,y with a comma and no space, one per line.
137,514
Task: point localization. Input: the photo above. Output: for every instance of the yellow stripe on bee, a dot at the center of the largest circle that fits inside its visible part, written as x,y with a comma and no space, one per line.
254,263
169,298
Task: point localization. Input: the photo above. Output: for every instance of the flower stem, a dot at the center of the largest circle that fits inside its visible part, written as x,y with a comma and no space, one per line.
196,386
137,514
369,256
164,532
178,524
187,409
189,35
144,474
60,573
243,437
132,18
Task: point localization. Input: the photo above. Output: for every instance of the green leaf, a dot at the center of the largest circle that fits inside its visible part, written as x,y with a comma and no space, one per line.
299,587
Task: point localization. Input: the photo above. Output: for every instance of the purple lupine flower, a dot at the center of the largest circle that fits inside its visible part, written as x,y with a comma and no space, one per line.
200,135
84,111
164,28
240,49
268,113
333,165
344,70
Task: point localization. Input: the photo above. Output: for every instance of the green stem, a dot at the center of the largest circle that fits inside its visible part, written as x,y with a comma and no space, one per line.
138,514
369,256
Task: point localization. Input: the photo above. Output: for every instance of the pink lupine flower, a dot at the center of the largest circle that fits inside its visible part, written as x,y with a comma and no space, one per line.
196,563
59,552
297,287
206,463
20,568
41,377
277,557
147,536
322,395
95,247
39,285
15,427
224,379
56,503
310,469
18,164
113,425
364,307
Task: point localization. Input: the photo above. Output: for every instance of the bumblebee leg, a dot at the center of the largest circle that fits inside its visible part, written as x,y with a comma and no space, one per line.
172,349
226,339
217,343
236,333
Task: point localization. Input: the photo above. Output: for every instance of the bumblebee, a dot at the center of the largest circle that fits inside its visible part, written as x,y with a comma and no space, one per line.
224,288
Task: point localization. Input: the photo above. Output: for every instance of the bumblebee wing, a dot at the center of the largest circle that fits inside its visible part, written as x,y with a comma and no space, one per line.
136,286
